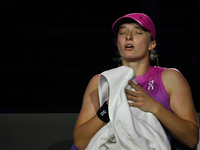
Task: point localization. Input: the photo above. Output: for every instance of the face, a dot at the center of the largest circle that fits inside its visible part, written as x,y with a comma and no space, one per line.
134,43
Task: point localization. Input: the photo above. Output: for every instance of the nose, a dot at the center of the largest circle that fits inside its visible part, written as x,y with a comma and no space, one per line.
129,36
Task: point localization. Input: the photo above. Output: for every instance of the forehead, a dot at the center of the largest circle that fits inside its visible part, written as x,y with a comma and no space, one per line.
130,25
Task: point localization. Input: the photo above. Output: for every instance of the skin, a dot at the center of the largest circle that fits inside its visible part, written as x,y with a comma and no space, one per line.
181,122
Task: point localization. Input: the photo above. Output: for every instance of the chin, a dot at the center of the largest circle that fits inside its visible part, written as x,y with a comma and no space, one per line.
129,59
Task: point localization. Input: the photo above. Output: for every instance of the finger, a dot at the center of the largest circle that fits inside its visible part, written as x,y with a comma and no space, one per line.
132,98
130,92
134,104
134,85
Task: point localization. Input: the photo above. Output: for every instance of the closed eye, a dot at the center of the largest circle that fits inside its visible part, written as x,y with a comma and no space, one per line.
121,33
138,32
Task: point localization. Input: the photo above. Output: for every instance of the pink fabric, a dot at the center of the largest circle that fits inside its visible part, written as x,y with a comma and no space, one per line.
152,82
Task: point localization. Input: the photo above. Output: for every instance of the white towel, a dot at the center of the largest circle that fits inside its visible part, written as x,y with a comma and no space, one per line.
129,128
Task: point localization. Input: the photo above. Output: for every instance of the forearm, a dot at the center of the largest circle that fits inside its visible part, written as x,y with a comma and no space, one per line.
184,131
84,133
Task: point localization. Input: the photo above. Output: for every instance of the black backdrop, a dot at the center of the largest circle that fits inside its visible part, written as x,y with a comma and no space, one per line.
50,50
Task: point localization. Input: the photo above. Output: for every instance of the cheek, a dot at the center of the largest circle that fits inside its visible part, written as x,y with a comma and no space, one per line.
119,49
144,43
119,41
118,45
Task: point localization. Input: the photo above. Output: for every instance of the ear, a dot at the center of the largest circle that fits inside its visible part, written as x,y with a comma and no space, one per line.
152,45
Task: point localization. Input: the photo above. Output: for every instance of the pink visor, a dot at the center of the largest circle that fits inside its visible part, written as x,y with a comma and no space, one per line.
140,18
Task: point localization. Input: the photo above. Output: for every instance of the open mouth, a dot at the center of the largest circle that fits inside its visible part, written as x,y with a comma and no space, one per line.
128,46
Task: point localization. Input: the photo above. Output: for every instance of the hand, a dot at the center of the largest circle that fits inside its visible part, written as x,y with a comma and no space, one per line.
140,98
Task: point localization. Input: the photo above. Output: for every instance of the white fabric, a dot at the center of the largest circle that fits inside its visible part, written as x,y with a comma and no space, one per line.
129,127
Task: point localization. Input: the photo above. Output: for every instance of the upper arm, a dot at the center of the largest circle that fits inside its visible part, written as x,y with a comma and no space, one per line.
90,103
180,94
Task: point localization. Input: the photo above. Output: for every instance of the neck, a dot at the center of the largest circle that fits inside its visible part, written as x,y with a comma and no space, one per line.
139,68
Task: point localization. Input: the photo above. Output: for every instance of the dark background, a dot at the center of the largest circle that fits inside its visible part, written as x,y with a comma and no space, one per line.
50,50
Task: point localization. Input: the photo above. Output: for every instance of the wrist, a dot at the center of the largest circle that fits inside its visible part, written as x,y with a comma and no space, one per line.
156,108
102,113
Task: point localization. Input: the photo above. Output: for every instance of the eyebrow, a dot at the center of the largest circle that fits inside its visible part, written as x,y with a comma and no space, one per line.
138,27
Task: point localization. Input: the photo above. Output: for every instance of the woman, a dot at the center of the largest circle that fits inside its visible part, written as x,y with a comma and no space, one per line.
173,105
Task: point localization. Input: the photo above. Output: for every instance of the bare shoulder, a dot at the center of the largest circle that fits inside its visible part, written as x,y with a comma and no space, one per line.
94,81
180,94
172,73
90,98
173,78
90,103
